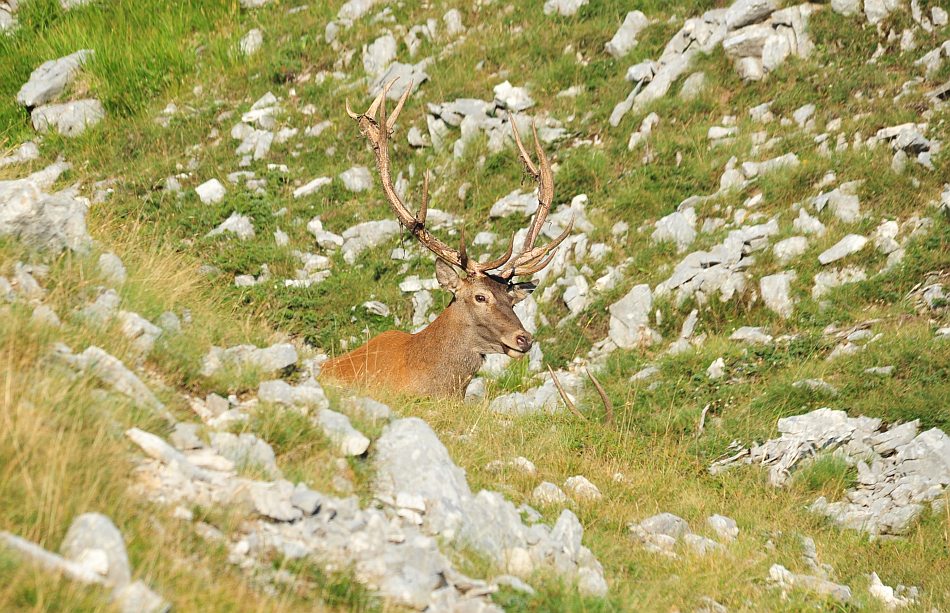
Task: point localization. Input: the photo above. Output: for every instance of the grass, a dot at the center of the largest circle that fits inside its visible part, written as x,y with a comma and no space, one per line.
62,449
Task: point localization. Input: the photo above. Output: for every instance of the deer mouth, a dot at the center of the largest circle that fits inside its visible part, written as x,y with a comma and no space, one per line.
511,352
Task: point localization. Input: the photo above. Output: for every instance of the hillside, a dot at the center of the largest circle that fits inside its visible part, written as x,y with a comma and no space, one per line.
758,274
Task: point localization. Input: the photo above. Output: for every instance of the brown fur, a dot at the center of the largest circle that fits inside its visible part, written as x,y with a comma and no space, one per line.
441,359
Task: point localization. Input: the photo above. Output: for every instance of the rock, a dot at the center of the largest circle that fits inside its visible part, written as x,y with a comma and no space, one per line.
50,561
453,23
803,114
251,42
68,119
843,202
379,54
829,279
50,79
45,315
880,371
312,187
564,8
239,225
665,524
790,248
103,309
723,526
111,268
211,192
308,394
139,330
846,7
744,12
630,318
367,235
137,597
273,500
112,372
626,37
512,98
270,359
42,221
581,489
678,227
877,10
701,545
337,427
95,533
647,373
886,594
357,179
852,243
26,152
717,369
823,587
776,292
693,86
750,334
816,385
409,75
548,493
246,450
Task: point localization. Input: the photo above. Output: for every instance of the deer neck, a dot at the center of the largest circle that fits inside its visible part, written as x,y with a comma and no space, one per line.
448,345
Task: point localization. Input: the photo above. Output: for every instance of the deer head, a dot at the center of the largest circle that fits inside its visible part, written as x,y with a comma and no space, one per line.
484,292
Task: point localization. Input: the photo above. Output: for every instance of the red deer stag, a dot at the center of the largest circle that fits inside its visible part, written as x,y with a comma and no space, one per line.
442,359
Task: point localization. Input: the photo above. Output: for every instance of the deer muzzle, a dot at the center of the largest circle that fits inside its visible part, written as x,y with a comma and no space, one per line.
518,345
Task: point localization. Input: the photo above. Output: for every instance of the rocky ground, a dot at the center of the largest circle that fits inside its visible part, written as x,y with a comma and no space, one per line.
190,225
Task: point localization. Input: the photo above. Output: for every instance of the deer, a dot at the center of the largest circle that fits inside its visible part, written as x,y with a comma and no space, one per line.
442,358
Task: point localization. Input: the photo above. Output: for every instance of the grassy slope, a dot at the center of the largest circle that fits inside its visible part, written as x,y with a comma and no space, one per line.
150,53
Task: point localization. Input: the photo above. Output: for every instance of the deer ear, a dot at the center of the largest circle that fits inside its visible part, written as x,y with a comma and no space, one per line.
447,277
520,291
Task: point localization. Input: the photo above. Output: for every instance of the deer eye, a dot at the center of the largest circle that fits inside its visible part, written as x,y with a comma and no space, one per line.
480,298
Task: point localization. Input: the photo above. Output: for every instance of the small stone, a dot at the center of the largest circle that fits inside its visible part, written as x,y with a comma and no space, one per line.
751,334
776,292
337,427
237,224
68,119
251,42
724,527
581,489
790,248
96,532
717,369
111,268
211,191
548,493
852,243
666,524
693,86
564,8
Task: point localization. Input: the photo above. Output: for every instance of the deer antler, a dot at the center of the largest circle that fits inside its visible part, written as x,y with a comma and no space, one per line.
531,259
378,132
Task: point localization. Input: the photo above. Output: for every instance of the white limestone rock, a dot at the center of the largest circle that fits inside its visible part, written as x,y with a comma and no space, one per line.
211,191
69,118
625,38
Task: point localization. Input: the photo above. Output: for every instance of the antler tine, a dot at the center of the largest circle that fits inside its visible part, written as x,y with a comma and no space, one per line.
402,101
564,396
424,207
492,264
377,130
525,158
608,405
532,259
545,191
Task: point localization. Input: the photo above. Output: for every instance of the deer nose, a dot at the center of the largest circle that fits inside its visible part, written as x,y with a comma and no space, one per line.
524,342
